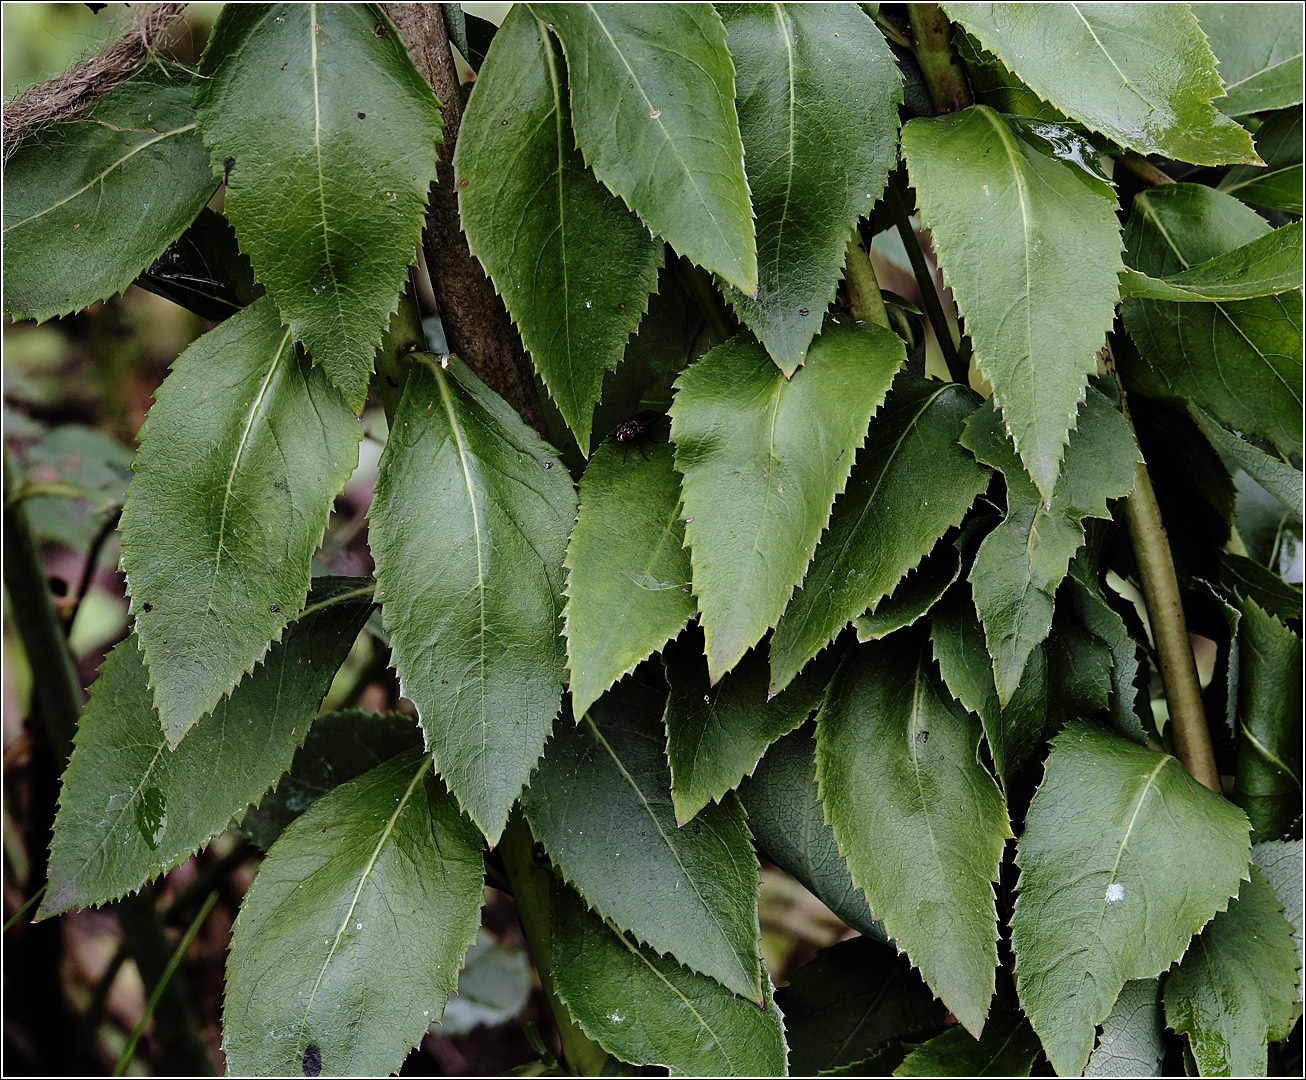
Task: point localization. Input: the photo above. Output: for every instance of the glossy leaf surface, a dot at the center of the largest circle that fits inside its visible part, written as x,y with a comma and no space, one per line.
204,270
1267,265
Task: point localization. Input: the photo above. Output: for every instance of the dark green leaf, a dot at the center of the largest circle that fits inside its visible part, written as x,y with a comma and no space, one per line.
1248,579
331,133
241,457
601,806
204,271
90,203
1277,184
1123,858
817,92
1008,1047
1268,265
468,528
1277,476
914,595
1259,47
653,105
1281,863
763,458
1102,621
1132,1042
351,937
993,84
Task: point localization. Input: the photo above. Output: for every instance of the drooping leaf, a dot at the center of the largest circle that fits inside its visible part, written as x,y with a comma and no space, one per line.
1132,1042
1008,1047
911,483
1032,256
1123,858
131,809
241,457
91,202
717,734
601,806
647,1009
914,595
351,937
1020,564
575,267
817,91
331,135
1259,48
628,575
919,820
1278,183
1097,63
763,458
1277,476
1268,265
203,270
1195,351
1235,989
468,528
1281,863
653,106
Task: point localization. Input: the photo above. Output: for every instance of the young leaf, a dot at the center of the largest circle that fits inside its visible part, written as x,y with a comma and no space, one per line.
351,937
818,92
241,457
130,809
1278,184
1132,1042
649,1010
1259,49
911,483
1032,256
575,267
1124,857
1268,265
653,105
763,458
331,135
468,528
1235,989
1281,863
1097,63
628,575
920,821
600,804
92,202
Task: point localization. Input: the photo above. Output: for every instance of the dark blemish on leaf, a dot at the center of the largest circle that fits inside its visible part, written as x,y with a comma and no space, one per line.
444,682
227,166
463,183
697,830
274,608
548,464
803,311
312,1060
504,124
380,31
622,306
147,608
362,116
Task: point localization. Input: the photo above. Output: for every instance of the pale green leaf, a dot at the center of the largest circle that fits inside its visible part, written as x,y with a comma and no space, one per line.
1132,1042
1123,858
1281,863
493,988
468,528
1278,183
331,133
91,202
1235,989
653,106
351,937
1259,49
763,458
241,457
1277,476
574,266
914,595
911,483
1268,265
919,820
1032,256
1098,64
131,809
628,575
601,806
817,91
649,1010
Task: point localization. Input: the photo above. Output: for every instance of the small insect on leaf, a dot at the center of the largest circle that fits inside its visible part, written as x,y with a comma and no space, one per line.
636,432
312,1060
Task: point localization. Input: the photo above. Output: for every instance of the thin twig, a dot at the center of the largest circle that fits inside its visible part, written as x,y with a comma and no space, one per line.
88,570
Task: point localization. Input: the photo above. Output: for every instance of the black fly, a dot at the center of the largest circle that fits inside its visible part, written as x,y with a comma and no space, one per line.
636,432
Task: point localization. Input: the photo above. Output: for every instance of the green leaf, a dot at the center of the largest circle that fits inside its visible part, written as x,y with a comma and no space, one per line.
1196,351
1097,63
204,271
717,734
241,457
1020,564
788,822
1281,863
468,528
1248,579
1132,1042
332,135
1278,184
920,821
653,105
1259,49
628,575
493,987
911,483
852,999
601,806
1268,265
1235,989
914,595
649,1010
818,92
1032,257
1123,858
340,746
574,266
130,809
1008,1047
92,202
993,84
1277,476
1102,621
351,937
763,458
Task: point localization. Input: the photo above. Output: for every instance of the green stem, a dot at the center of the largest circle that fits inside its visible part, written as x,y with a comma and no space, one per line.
530,888
864,299
1143,169
942,68
698,283
891,32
